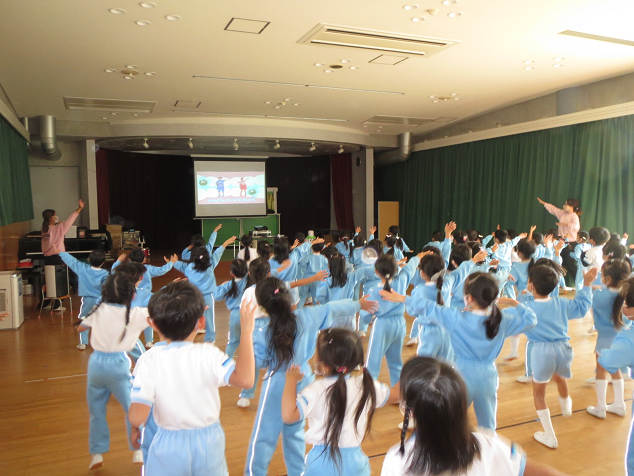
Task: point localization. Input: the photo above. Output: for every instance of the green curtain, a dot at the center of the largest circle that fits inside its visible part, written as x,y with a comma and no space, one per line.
16,202
497,181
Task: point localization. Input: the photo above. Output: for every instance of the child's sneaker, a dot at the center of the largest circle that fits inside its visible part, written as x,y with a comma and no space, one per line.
244,402
81,346
525,379
594,411
96,461
412,341
611,408
550,442
137,457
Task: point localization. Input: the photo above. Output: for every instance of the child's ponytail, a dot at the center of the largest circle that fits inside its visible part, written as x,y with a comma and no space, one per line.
338,273
239,270
483,288
433,266
246,241
387,268
201,259
618,270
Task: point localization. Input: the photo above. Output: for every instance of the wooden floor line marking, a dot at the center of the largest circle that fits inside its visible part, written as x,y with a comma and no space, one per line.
55,378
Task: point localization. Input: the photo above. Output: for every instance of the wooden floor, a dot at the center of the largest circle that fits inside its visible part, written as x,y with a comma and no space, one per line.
44,416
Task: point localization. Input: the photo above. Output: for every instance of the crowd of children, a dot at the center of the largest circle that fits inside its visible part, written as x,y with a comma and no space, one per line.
470,294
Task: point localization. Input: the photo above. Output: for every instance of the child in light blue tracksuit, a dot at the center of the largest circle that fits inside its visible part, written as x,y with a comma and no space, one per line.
391,248
281,253
606,306
343,245
388,330
200,272
296,338
198,242
551,355
232,292
90,278
503,254
311,263
138,256
621,354
179,383
477,335
115,327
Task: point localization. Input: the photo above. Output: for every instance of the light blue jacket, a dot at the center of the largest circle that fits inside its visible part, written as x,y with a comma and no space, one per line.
90,279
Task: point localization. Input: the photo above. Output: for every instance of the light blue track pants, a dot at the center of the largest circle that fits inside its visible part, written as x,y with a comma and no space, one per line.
87,303
629,456
210,322
197,452
108,373
234,333
353,462
386,339
482,385
268,426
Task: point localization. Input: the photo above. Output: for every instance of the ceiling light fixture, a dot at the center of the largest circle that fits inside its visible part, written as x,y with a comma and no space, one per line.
106,118
128,77
354,68
190,143
319,64
235,144
110,70
529,61
143,23
341,151
277,144
150,73
114,113
147,4
145,144
557,65
454,94
328,71
346,61
312,147
136,114
432,11
559,58
117,11
418,19
288,99
449,2
297,104
410,7
529,68
436,100
268,102
278,107
131,66
454,14
172,17
457,99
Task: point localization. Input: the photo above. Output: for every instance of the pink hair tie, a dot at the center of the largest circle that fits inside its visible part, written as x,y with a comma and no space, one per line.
276,291
342,369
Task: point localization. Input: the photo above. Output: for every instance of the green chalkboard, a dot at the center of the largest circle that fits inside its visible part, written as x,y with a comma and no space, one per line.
231,226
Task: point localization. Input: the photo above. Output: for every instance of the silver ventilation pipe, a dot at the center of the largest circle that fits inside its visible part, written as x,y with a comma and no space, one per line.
396,156
48,137
26,122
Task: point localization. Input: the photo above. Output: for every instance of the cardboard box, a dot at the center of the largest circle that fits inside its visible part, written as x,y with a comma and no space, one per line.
116,234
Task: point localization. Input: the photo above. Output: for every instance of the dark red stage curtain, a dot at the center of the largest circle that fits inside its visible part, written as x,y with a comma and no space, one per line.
341,173
103,188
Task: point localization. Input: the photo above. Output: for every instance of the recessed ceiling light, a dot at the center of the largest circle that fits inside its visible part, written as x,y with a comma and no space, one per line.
418,19
116,11
268,102
131,66
363,126
136,114
529,61
147,4
557,65
319,64
559,58
277,144
143,23
529,68
340,149
172,17
114,113
449,2
454,94
432,97
410,7
150,73
297,104
312,147
288,99
354,67
346,61
110,70
105,118
454,14
436,100
457,99
328,71
278,107
128,77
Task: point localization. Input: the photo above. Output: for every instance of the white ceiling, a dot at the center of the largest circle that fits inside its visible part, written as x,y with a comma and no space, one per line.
52,49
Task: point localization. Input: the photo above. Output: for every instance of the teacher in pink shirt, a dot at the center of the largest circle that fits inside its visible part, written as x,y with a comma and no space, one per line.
568,218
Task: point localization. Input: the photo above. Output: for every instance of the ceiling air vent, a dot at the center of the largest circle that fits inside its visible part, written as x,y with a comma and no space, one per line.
119,105
397,121
375,40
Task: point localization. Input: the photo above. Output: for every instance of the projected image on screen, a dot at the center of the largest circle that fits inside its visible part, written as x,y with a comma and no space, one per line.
230,188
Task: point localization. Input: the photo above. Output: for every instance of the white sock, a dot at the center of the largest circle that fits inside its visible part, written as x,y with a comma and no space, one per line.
618,386
601,387
515,344
544,418
566,406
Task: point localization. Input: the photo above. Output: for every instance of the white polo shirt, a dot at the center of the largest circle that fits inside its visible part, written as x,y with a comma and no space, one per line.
181,381
313,405
107,324
497,457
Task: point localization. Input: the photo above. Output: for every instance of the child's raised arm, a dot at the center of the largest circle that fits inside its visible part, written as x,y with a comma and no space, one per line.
244,374
290,412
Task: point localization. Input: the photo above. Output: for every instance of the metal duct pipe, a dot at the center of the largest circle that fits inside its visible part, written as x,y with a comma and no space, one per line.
26,123
396,156
48,137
